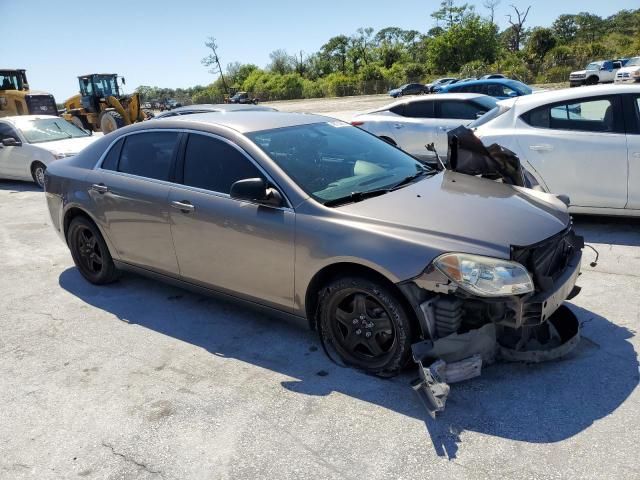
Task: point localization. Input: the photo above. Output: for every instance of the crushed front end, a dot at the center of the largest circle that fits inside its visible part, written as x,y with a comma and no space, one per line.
465,328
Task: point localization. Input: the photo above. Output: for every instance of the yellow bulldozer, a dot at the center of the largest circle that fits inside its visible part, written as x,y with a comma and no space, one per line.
100,106
17,99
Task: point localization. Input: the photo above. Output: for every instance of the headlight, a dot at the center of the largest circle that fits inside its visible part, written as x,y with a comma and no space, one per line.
485,276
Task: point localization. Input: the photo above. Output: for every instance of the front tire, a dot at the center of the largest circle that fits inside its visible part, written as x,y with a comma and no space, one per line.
591,81
37,172
364,325
90,252
110,121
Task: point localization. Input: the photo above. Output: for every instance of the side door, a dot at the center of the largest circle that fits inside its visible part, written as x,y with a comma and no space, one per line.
452,114
578,147
417,128
632,117
130,191
239,247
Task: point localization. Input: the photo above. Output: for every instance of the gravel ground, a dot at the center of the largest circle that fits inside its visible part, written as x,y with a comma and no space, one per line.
142,380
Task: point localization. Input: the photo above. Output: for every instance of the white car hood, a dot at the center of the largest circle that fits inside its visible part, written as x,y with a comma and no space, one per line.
69,146
581,72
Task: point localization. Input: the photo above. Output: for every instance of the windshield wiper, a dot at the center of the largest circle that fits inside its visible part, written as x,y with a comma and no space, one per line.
411,178
354,197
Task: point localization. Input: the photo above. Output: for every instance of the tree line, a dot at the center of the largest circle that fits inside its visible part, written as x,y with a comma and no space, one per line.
464,43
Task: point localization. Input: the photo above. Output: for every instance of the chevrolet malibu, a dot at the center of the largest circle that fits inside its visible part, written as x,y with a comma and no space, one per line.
323,221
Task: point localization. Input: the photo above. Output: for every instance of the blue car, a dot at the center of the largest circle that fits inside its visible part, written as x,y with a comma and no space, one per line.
499,88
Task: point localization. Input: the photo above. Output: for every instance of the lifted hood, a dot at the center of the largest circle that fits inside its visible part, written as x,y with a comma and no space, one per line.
457,212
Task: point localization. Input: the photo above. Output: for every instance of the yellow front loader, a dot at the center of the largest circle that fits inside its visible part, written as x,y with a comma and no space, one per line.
17,99
101,107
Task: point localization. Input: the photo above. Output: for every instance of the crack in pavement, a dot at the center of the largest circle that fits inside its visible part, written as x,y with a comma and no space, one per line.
132,460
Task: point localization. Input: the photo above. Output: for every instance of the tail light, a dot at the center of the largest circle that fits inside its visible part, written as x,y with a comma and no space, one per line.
357,123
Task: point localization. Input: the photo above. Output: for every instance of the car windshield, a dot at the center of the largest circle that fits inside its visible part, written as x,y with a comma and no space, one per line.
49,130
333,160
634,62
593,66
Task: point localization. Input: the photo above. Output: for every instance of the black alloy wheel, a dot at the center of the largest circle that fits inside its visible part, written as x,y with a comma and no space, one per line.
90,252
365,325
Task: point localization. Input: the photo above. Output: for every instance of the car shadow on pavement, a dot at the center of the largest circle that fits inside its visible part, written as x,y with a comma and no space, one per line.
18,186
609,230
541,403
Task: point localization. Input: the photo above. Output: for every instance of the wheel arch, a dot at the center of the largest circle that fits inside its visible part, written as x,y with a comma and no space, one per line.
74,211
346,268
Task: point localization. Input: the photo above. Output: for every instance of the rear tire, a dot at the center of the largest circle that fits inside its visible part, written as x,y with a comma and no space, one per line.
110,121
37,172
90,252
363,324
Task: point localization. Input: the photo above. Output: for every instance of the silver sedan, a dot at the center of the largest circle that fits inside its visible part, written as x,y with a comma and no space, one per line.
415,122
309,216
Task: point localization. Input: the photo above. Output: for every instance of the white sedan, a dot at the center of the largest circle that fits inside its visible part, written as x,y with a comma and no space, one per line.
28,143
415,122
584,143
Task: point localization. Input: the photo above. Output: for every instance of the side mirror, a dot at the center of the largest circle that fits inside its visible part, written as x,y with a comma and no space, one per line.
256,190
11,142
512,94
480,114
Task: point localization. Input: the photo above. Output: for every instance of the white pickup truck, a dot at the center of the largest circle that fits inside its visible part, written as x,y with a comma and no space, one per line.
630,73
603,71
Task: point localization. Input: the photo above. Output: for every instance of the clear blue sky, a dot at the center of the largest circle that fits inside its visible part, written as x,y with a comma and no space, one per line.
161,42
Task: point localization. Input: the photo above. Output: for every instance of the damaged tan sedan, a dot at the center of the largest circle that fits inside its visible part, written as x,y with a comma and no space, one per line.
386,257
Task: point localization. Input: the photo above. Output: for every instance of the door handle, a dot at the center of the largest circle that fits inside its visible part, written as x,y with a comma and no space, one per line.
544,147
398,125
101,188
444,129
185,206
636,154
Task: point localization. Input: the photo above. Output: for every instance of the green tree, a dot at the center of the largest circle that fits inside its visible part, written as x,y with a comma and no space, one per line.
565,28
472,39
451,14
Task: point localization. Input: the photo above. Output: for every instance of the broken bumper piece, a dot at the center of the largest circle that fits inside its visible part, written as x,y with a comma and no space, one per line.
460,357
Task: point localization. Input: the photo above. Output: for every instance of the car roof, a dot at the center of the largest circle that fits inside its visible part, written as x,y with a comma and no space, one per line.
425,98
551,96
222,107
245,122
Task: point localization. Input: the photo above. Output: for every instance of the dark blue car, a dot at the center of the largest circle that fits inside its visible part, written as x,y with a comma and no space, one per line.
500,88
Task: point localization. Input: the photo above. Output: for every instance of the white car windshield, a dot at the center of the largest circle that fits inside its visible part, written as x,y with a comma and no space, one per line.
593,66
634,62
49,130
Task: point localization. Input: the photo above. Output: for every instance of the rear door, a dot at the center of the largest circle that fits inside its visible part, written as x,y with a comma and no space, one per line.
579,148
243,248
632,117
416,128
130,191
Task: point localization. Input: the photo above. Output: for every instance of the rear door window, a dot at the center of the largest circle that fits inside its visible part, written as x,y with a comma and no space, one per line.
588,115
419,109
456,109
214,165
149,154
110,162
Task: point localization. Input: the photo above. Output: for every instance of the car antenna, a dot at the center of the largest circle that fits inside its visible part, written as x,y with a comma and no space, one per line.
595,262
432,148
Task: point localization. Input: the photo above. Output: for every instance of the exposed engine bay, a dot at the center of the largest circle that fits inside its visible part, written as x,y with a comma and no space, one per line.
464,332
